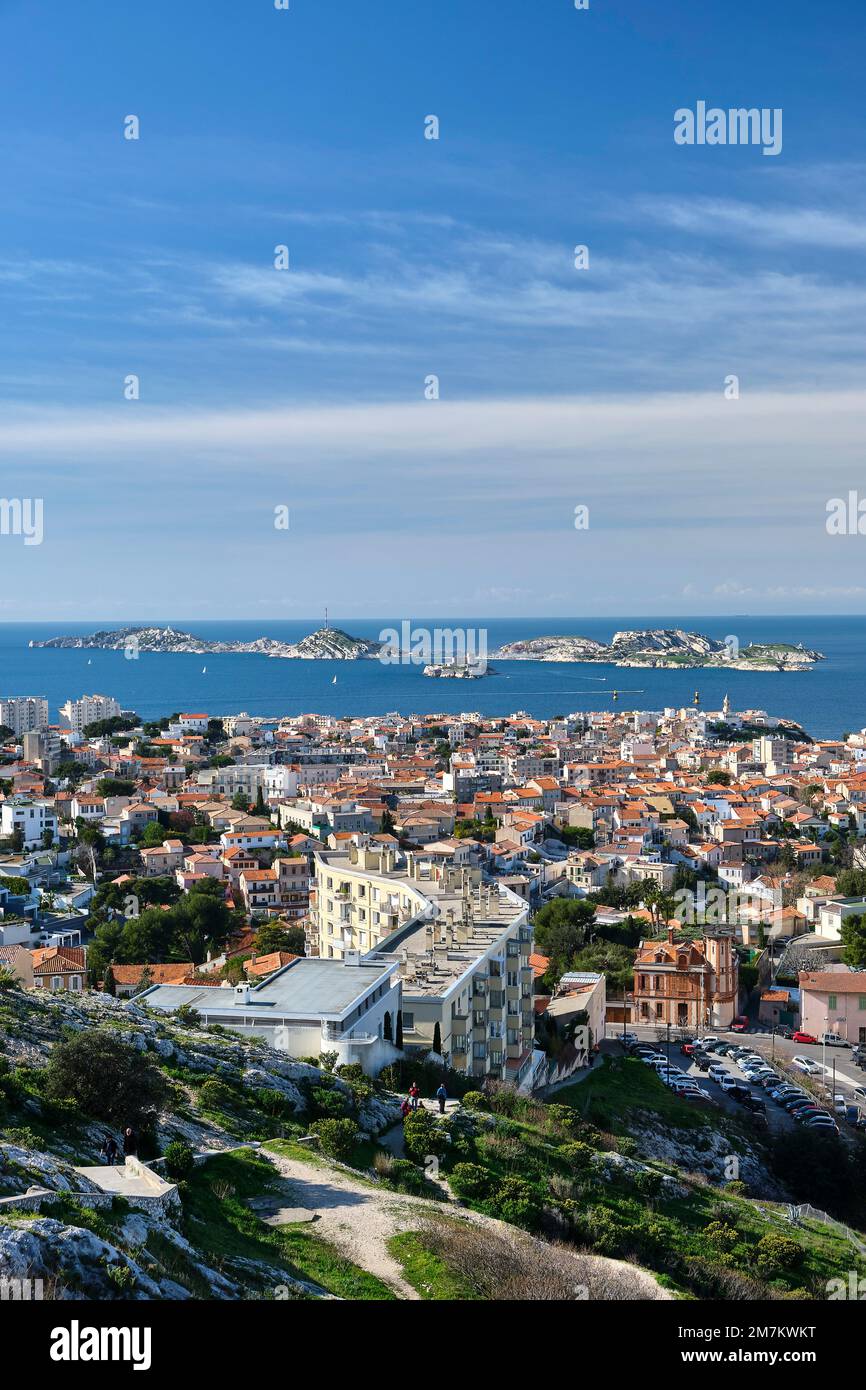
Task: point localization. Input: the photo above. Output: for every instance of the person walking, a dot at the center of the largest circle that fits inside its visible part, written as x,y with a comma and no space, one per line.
109,1151
130,1142
442,1096
414,1095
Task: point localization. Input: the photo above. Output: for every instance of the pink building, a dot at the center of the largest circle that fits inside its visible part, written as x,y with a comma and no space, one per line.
834,1001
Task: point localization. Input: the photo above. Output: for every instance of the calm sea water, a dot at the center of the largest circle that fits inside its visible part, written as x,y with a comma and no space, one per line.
827,700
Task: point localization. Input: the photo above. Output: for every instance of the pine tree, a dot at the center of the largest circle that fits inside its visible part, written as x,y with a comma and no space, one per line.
109,984
387,1031
437,1038
399,1039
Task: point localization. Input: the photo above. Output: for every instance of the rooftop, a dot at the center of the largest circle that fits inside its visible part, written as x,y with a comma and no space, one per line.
307,987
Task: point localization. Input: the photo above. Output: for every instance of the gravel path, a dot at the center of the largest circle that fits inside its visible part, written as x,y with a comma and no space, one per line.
358,1219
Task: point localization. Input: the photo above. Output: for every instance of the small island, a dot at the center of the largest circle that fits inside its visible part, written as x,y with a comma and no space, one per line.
328,643
666,648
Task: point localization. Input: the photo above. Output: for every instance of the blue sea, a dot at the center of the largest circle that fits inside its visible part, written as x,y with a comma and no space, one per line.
828,700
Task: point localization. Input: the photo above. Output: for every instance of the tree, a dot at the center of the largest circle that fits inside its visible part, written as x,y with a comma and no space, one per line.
6,734
117,724
718,778
561,928
437,1038
106,1078
261,807
387,1030
274,937
153,835
853,934
398,1041
240,802
109,984
386,824
115,786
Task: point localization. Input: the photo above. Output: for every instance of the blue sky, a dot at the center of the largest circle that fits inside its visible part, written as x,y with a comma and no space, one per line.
409,257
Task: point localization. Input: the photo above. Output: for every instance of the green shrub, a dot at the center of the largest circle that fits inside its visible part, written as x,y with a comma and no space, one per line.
423,1137
216,1095
475,1100
328,1103
577,1155
470,1182
179,1159
776,1254
336,1137
721,1236
518,1202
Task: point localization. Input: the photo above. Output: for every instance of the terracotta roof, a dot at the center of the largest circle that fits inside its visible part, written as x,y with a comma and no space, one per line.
173,973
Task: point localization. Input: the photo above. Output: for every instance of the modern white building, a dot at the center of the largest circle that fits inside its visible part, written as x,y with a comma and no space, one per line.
32,818
348,1006
88,710
23,713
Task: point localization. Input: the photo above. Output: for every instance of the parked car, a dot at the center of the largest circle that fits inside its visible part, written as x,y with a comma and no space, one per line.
740,1024
652,1058
769,1080
701,1060
860,1091
722,1049
755,1104
732,1087
790,1102
782,1093
808,1065
801,1037
822,1122
628,1038
687,1048
718,1072
833,1040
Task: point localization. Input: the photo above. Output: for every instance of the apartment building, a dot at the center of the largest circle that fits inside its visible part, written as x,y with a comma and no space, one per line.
88,710
32,818
462,946
23,713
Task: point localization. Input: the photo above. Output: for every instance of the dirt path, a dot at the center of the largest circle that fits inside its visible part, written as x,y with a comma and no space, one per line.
359,1220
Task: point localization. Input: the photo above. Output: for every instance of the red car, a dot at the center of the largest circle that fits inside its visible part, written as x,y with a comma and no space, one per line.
687,1049
803,1037
740,1024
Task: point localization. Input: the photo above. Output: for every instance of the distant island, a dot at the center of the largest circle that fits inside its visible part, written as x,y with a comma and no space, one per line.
670,648
328,643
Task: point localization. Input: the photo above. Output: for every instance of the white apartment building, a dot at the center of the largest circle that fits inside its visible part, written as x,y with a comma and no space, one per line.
88,710
32,818
23,713
462,946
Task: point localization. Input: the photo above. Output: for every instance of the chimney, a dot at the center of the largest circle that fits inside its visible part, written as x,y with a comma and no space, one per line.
670,936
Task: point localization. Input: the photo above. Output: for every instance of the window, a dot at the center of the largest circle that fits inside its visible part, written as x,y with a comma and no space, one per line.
408,1020
861,1003
831,1002
56,982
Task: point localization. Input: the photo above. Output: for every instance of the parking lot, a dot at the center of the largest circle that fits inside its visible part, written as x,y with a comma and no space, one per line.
833,1074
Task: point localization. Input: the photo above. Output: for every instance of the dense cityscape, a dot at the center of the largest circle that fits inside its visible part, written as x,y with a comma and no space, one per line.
501,963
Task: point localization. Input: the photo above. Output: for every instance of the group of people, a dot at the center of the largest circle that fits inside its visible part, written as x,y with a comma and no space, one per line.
110,1151
412,1101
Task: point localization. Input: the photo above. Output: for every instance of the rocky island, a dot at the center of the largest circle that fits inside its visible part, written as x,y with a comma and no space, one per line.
328,643
663,647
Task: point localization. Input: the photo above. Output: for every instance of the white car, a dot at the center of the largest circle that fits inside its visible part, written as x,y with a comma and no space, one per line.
806,1064
860,1091
832,1040
717,1072
654,1059
730,1082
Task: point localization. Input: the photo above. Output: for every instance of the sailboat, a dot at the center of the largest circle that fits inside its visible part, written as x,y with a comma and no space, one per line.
334,681
204,670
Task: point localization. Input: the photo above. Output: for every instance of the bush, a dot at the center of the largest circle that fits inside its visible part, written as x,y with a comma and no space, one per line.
336,1137
408,1178
179,1159
518,1202
328,1103
470,1182
216,1095
777,1254
578,1155
187,1016
423,1137
721,1236
109,1080
475,1100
